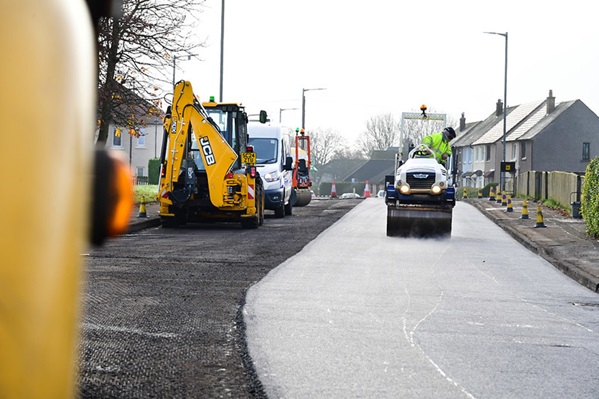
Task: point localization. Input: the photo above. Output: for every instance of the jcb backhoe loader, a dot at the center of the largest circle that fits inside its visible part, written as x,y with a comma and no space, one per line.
208,172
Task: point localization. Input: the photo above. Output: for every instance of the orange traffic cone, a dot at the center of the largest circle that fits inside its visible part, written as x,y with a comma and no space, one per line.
367,190
333,190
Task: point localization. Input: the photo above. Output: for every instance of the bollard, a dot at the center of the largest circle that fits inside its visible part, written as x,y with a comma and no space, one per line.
491,194
498,196
539,217
510,208
465,193
524,210
480,193
142,208
503,199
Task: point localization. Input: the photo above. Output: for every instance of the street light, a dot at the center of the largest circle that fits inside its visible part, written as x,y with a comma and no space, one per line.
502,178
222,48
175,64
304,105
155,135
281,112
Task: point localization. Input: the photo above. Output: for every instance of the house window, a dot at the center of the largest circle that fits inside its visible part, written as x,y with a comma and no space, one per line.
586,151
140,171
141,140
514,151
116,138
523,149
488,152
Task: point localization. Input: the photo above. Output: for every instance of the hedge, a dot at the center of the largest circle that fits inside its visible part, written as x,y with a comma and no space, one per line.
589,206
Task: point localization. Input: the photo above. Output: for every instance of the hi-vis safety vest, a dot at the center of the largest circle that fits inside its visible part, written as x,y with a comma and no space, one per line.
436,143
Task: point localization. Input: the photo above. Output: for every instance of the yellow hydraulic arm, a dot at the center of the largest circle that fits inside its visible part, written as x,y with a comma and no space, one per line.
217,154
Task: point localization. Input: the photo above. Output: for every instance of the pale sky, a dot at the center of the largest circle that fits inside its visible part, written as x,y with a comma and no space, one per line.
390,56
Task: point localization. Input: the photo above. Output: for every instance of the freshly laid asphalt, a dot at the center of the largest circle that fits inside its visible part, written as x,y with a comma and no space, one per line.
554,235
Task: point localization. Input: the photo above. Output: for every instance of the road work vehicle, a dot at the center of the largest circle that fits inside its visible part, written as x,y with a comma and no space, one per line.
301,172
275,166
208,172
419,200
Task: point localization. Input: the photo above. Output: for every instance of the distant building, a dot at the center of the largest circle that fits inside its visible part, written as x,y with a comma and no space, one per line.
540,136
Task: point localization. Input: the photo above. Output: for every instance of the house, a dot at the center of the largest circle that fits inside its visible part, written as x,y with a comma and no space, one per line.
140,142
539,136
374,170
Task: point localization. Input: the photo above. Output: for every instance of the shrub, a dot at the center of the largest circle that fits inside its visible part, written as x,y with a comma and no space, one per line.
153,171
589,204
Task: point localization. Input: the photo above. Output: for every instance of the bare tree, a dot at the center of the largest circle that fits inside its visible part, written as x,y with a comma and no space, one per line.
382,132
135,57
324,144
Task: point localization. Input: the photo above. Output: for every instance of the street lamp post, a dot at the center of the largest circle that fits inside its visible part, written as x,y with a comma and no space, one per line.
304,105
502,178
155,135
222,48
281,112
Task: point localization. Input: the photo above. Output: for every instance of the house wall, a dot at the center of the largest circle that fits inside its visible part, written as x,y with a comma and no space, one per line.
524,164
134,151
559,147
478,163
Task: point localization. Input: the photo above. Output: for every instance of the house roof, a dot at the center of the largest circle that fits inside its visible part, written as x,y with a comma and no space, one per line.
337,169
479,129
513,118
373,170
462,135
542,123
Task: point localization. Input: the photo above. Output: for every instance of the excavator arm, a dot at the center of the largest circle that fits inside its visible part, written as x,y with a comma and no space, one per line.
217,154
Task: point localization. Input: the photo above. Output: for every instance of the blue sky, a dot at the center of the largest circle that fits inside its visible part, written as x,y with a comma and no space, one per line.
386,56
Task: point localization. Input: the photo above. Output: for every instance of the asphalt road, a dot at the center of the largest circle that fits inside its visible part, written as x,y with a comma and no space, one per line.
162,307
357,314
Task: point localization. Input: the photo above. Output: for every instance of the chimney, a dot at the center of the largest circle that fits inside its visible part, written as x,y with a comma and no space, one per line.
462,123
550,102
499,109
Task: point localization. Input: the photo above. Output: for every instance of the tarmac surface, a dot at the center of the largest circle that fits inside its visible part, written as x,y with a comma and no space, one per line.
563,241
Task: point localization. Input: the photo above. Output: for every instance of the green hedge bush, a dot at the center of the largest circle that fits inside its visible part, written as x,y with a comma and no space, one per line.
589,204
153,171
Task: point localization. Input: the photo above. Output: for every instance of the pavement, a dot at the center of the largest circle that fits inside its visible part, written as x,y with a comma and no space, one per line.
562,241
143,220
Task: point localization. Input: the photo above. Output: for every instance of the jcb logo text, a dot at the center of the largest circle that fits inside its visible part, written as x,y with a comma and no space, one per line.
207,149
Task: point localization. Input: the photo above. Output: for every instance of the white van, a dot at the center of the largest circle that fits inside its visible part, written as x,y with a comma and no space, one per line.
274,163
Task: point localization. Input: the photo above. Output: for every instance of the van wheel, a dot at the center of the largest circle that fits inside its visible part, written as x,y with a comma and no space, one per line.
288,209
